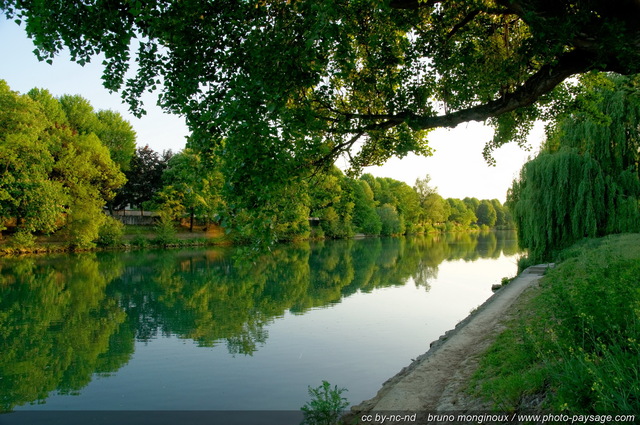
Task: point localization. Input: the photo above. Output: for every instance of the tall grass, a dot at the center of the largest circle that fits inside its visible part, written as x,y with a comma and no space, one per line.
577,344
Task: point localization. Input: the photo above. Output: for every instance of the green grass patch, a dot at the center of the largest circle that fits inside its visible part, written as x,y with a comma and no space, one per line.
578,341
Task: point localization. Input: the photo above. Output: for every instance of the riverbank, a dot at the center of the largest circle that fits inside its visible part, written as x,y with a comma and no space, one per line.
436,381
567,343
133,237
138,236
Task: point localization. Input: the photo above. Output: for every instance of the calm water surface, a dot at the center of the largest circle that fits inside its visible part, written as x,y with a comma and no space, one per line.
214,330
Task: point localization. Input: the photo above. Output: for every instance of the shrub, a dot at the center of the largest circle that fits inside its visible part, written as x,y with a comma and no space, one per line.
326,405
83,225
430,228
139,240
110,233
23,240
506,280
525,262
449,227
165,230
317,233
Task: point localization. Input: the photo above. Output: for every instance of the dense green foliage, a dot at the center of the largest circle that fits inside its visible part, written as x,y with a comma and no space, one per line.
577,342
111,232
486,214
460,213
585,182
112,130
332,203
365,217
54,174
59,177
326,204
339,67
279,87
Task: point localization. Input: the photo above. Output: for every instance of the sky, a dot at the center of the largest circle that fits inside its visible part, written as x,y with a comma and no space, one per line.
457,168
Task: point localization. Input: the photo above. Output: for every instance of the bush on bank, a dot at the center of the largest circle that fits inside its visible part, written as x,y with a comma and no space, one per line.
576,347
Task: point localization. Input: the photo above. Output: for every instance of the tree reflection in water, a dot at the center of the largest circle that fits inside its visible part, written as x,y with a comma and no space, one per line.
65,318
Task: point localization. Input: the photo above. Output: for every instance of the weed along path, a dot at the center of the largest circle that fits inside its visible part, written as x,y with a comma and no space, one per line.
435,381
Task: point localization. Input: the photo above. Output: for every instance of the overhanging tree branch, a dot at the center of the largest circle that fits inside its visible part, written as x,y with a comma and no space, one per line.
539,84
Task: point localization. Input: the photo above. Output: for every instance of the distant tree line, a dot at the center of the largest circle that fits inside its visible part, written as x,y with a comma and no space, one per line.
62,163
324,205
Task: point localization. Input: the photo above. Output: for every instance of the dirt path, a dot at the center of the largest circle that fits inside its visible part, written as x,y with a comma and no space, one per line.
435,381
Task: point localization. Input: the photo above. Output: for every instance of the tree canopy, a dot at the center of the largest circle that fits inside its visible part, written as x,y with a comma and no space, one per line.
52,175
313,80
191,184
144,178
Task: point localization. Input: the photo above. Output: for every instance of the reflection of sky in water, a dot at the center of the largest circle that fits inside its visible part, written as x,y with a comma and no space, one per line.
358,343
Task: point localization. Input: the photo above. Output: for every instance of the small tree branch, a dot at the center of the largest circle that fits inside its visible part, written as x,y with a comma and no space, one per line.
470,17
338,149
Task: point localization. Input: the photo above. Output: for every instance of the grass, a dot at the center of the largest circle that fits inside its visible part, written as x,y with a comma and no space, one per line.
576,346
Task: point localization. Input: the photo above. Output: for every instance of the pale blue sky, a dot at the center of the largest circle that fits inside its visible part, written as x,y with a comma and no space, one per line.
457,168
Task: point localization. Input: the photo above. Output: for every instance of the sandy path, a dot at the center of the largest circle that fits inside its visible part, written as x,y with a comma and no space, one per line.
435,380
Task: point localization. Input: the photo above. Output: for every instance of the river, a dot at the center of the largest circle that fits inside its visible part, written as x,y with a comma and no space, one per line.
226,329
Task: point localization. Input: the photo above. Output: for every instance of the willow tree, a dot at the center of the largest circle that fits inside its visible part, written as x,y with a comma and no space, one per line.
585,182
293,84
